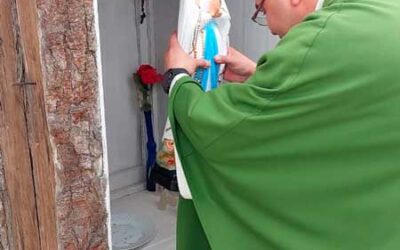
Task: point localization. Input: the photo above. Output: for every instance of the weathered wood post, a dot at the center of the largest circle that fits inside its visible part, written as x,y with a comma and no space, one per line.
52,178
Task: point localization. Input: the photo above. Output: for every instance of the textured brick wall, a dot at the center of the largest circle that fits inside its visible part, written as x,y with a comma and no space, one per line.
68,48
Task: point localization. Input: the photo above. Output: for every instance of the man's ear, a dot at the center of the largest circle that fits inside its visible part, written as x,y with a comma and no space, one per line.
295,3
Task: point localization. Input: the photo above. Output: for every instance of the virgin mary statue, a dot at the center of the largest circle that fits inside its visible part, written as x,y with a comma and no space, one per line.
203,32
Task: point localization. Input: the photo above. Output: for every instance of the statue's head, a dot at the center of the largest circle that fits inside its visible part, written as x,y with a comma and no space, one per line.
214,6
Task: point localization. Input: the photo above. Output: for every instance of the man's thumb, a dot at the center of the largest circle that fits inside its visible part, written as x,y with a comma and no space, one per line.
222,59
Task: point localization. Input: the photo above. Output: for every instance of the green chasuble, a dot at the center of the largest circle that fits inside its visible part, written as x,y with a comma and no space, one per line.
306,153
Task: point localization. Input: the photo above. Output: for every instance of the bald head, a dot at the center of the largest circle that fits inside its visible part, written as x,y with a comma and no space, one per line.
282,15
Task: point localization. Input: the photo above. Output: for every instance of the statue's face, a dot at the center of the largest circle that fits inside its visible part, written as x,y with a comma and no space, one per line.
214,7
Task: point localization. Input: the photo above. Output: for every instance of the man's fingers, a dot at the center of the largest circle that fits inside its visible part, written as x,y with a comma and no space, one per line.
203,64
227,59
232,77
222,59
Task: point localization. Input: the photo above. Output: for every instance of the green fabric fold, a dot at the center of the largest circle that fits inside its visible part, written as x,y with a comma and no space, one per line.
304,155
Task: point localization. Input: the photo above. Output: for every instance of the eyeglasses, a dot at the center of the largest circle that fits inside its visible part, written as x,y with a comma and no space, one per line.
259,16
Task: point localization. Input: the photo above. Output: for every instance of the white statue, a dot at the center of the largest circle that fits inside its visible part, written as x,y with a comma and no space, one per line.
197,18
203,30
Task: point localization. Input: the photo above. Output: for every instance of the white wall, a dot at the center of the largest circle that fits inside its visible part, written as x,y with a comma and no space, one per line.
123,48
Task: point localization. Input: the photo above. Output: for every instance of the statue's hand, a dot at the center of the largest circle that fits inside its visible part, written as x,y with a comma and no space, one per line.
238,66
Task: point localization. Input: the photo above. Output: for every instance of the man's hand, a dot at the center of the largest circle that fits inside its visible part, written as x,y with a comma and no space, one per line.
238,67
176,57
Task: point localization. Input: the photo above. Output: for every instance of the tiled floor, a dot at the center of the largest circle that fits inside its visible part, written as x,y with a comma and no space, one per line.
146,204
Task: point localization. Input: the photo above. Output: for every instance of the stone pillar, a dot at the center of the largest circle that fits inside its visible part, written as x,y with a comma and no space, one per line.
68,51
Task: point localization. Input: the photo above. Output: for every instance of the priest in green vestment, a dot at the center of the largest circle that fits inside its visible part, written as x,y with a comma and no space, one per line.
305,153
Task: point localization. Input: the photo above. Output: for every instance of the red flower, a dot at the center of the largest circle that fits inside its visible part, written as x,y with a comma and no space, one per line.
148,75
